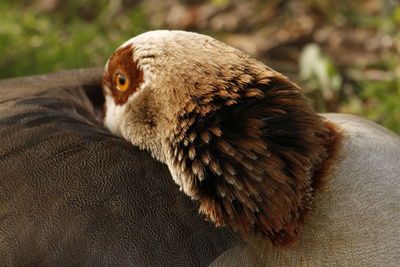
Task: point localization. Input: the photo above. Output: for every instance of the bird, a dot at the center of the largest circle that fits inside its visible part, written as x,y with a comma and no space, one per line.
242,141
73,194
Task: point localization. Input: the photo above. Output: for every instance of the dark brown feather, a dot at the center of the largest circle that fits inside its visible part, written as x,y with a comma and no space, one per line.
261,154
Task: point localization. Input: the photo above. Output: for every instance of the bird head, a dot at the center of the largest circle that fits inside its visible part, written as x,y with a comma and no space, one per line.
236,135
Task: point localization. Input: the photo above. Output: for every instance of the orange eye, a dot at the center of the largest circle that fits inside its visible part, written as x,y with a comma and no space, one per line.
121,82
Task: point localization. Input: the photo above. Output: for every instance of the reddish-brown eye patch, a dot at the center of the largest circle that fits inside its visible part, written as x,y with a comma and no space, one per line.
123,76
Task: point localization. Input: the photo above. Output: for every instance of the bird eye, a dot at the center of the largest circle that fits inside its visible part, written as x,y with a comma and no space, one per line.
121,82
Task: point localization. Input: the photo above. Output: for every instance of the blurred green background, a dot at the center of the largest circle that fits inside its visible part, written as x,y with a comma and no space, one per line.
344,54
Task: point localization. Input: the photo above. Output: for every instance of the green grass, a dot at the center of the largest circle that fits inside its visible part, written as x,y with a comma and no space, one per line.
32,43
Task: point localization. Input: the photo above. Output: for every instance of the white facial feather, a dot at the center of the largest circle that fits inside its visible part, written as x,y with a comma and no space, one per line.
113,116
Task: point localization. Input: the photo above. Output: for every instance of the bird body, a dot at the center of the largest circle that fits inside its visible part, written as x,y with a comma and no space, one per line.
73,194
241,139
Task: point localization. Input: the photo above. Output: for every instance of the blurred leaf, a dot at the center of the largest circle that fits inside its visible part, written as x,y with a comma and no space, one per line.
319,74
396,15
220,2
383,102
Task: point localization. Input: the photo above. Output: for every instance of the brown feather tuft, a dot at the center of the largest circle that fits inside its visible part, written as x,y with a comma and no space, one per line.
257,155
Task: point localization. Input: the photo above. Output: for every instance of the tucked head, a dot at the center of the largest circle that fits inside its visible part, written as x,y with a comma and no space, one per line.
236,135
159,72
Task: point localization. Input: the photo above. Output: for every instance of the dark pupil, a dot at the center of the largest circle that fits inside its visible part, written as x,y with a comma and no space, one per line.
121,80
